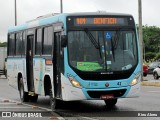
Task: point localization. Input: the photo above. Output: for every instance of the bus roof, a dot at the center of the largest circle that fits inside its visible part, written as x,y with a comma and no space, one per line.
54,18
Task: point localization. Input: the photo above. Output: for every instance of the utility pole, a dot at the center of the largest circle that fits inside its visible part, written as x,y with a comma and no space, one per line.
140,31
15,12
61,4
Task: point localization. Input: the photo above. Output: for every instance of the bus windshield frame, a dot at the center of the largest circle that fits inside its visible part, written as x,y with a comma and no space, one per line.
97,37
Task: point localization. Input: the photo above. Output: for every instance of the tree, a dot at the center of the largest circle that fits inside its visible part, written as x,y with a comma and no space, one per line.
151,39
4,44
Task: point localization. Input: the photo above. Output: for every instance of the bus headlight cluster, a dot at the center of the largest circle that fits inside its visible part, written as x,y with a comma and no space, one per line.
136,79
74,82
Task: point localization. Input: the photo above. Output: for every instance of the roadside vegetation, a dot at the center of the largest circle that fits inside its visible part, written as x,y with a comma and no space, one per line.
151,38
3,44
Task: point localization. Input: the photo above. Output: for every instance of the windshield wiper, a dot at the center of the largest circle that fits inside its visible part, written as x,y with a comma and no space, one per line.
114,44
92,39
100,54
94,42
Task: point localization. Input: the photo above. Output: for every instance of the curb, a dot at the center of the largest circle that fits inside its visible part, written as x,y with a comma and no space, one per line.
144,83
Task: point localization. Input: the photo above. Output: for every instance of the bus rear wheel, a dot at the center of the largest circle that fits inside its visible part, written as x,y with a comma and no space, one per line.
23,95
34,98
110,102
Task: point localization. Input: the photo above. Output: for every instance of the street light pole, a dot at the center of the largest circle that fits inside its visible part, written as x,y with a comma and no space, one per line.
15,12
61,6
140,31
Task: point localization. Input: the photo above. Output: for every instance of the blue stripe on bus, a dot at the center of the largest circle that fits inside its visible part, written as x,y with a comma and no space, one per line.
18,28
44,21
40,73
40,77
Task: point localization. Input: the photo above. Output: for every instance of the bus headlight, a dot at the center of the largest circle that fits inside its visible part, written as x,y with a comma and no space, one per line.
136,79
74,82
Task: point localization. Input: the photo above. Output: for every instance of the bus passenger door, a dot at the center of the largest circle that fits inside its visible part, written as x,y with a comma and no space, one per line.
29,62
56,65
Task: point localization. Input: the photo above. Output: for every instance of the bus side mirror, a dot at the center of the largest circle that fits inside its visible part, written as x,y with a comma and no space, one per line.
64,40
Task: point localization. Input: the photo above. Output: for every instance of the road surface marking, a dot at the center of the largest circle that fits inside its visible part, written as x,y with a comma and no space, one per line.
12,107
7,103
154,91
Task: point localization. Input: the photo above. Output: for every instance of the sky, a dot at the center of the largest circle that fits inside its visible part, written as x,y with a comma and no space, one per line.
31,9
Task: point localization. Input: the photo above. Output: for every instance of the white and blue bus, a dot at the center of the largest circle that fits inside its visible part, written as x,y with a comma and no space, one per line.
78,56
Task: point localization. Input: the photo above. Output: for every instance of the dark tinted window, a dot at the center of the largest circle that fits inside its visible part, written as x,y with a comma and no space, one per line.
23,43
11,45
47,41
38,44
18,44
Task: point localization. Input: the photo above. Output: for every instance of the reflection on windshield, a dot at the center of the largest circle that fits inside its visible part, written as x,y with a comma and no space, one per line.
102,50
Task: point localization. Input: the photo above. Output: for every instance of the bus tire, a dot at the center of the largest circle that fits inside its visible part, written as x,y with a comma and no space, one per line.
34,98
53,101
23,95
111,102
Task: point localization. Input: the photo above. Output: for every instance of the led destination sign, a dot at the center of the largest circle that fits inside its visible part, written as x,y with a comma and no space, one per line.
110,21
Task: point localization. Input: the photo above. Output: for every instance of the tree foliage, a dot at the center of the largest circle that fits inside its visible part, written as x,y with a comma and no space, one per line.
151,39
4,44
150,56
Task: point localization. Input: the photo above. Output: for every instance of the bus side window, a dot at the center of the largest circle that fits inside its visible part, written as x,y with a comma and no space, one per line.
23,43
18,44
11,45
47,41
38,42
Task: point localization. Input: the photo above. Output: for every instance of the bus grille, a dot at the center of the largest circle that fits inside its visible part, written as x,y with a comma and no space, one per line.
98,94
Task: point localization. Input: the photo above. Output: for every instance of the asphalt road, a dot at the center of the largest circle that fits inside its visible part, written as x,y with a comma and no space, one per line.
149,100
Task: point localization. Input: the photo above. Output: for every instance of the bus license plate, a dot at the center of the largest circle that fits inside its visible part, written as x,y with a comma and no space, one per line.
106,97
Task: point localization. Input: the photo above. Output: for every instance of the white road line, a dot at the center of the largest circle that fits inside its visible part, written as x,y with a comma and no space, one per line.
7,103
28,105
59,117
12,107
154,91
37,106
88,118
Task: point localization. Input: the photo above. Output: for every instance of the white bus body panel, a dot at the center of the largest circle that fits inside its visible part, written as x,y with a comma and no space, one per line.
134,91
15,66
70,93
40,71
38,68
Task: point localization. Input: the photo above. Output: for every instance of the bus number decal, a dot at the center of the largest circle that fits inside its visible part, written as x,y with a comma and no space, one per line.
119,83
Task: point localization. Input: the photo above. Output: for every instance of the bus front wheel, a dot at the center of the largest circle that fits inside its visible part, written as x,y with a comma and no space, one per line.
53,101
23,95
110,102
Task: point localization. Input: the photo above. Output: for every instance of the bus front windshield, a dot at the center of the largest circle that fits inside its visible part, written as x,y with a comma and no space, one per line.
102,51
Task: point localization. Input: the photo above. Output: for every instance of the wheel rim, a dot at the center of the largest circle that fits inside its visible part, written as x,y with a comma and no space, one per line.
52,101
155,75
21,93
52,104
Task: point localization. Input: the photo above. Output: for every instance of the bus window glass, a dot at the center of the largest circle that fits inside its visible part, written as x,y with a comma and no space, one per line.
18,43
102,50
50,38
11,43
23,43
47,41
38,44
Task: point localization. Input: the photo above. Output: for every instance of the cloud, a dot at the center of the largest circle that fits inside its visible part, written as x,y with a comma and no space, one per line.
6,18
